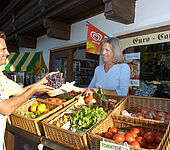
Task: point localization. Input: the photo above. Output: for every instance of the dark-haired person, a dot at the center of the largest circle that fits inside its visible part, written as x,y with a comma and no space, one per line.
114,74
9,88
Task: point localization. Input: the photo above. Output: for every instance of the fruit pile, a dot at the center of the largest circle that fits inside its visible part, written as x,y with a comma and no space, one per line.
137,137
35,111
154,114
55,80
60,98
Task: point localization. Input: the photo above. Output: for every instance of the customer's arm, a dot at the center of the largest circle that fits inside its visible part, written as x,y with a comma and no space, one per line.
7,106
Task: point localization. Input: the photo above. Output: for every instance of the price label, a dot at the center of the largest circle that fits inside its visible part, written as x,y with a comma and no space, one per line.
111,146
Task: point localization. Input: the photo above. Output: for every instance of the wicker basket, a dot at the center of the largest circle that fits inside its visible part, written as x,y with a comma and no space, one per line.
124,124
32,125
62,136
65,137
133,104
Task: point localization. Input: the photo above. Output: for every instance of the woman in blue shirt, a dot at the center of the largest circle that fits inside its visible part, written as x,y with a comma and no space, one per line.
113,75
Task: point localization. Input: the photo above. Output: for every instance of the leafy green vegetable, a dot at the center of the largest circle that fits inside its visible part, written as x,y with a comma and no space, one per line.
86,117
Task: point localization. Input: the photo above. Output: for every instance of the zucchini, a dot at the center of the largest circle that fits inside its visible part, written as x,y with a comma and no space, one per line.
64,97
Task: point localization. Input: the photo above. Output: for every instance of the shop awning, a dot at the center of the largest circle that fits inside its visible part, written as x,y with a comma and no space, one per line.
32,62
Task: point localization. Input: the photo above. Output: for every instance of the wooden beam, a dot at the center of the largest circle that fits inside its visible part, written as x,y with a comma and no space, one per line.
122,11
57,29
26,41
12,46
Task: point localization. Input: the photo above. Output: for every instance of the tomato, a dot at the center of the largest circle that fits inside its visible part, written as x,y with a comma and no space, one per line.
135,144
113,130
119,137
99,134
64,100
134,134
149,137
59,101
158,138
141,141
135,130
108,135
129,138
53,100
142,132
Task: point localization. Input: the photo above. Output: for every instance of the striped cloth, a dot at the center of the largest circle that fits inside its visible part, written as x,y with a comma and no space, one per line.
7,88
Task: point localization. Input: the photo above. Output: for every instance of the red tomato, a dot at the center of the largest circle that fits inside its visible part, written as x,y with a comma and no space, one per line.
135,144
99,134
119,137
134,134
113,130
158,138
141,141
129,138
149,137
108,135
135,130
59,101
142,132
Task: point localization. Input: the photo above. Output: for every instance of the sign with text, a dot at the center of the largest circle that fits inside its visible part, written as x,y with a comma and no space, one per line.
155,38
133,60
111,146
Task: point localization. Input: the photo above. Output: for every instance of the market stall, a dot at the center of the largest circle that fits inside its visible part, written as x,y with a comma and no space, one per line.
76,121
25,67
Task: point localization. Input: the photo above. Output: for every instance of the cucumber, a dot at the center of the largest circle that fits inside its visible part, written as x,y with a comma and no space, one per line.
64,97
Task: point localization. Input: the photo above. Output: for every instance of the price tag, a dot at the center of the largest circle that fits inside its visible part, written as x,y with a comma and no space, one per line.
111,146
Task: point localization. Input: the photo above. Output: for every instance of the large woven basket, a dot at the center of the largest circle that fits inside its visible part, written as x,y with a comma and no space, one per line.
133,104
65,137
124,124
32,125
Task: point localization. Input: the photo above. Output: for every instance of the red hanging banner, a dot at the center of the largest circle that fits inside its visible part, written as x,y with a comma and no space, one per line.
94,37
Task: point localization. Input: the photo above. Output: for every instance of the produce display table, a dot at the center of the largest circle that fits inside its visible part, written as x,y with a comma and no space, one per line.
35,138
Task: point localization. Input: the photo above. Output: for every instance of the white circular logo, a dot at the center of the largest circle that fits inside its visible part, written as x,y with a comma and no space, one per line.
96,36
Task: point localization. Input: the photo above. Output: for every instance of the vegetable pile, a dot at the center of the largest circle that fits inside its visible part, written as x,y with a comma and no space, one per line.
86,117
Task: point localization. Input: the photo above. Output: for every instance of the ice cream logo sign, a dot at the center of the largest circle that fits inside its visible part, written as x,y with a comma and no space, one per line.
96,36
154,38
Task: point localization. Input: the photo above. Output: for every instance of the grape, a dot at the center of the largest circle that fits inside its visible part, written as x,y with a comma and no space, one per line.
55,80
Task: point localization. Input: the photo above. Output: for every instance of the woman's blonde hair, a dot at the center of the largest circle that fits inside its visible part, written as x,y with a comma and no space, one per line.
116,48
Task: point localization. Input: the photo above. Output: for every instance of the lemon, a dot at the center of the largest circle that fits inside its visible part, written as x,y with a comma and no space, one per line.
33,108
41,108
